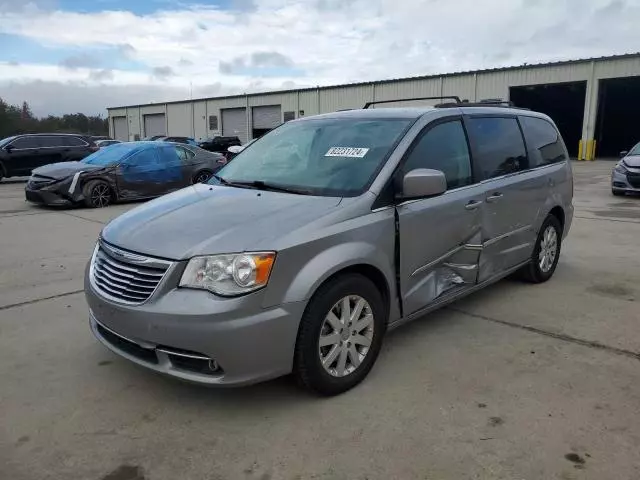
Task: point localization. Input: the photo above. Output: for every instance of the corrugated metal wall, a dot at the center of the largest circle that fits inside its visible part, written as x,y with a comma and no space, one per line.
193,120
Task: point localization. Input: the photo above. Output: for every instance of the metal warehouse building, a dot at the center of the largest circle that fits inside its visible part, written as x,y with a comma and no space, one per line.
595,103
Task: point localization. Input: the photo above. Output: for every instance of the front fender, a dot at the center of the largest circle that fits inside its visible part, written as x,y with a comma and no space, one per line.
329,262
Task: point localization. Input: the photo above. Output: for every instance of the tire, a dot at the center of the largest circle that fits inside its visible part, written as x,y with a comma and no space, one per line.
336,378
617,193
97,194
202,176
538,271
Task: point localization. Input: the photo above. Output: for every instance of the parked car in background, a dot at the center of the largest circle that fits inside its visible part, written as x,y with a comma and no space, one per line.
152,138
307,247
125,171
183,140
106,143
219,144
236,149
625,177
95,138
20,154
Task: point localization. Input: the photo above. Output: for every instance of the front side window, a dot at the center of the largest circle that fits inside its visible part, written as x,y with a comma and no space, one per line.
329,157
443,147
543,142
499,145
144,159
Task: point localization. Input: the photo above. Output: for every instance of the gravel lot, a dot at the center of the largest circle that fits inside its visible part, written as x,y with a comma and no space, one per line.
515,382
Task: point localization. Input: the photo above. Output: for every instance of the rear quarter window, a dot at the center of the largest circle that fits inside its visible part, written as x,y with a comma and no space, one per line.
544,144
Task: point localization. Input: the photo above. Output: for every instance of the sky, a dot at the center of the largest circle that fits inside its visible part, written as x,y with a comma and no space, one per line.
67,56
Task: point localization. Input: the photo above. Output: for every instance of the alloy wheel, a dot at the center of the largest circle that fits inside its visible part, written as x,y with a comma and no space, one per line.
548,249
202,177
346,335
100,195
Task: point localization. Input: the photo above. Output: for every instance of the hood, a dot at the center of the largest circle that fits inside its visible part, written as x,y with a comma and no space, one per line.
632,161
64,169
207,219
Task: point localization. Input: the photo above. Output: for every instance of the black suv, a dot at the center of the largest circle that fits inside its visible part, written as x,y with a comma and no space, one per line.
22,153
219,144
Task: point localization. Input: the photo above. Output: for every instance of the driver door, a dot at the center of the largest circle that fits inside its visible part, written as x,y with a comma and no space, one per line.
140,176
440,237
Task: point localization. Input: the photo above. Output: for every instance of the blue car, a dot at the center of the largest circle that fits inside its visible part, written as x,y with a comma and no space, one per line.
125,171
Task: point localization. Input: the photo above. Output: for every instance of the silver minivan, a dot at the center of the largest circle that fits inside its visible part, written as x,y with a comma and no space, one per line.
325,233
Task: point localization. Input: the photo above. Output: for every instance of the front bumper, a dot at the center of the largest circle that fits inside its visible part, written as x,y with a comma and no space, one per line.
44,197
621,183
178,332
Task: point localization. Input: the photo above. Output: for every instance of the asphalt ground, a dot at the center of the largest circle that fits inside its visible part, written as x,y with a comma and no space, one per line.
515,382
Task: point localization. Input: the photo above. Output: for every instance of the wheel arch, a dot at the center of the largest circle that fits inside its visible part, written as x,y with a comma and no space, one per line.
303,281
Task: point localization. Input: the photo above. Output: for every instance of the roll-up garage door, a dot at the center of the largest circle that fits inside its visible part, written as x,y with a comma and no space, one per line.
234,123
267,117
154,124
120,130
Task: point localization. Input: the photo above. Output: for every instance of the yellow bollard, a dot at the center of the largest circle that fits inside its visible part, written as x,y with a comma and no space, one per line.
580,150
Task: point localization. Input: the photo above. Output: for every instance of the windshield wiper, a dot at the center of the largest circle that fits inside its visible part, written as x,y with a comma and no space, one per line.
261,185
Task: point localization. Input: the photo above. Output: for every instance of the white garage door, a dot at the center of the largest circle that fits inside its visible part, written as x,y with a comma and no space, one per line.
234,123
269,116
120,129
154,124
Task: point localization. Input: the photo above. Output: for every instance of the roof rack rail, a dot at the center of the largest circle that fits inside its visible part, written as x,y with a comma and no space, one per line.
451,97
488,102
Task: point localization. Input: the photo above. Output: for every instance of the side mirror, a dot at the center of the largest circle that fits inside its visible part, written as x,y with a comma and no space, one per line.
234,149
624,153
423,182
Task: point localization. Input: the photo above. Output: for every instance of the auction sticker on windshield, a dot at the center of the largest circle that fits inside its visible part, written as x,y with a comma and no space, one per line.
352,152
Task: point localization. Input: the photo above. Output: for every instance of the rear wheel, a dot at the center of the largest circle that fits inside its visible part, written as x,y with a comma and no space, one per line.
97,194
202,176
340,335
546,252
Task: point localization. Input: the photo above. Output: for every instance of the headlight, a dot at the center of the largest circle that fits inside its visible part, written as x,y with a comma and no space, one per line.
620,168
229,275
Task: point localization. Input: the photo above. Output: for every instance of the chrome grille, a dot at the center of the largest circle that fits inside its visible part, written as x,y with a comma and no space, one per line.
127,278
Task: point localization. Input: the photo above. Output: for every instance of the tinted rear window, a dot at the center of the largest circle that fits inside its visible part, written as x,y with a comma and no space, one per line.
499,146
543,142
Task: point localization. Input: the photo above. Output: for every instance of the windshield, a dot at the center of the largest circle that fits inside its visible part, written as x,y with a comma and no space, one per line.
635,150
111,154
328,157
4,141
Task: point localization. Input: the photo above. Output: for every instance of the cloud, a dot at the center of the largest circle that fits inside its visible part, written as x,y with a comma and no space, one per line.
80,60
255,62
270,59
101,75
314,42
163,72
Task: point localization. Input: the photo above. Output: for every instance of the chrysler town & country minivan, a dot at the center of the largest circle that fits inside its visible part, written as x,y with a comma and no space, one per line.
324,234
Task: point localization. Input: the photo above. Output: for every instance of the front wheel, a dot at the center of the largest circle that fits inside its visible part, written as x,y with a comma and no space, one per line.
97,194
617,193
202,176
340,335
546,252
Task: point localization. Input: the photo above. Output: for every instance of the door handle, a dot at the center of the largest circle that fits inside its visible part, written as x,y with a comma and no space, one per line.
473,204
494,196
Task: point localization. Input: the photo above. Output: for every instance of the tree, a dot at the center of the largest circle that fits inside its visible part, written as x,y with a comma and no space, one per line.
19,119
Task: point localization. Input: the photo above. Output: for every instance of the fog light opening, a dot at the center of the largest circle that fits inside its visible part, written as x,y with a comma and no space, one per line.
213,365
